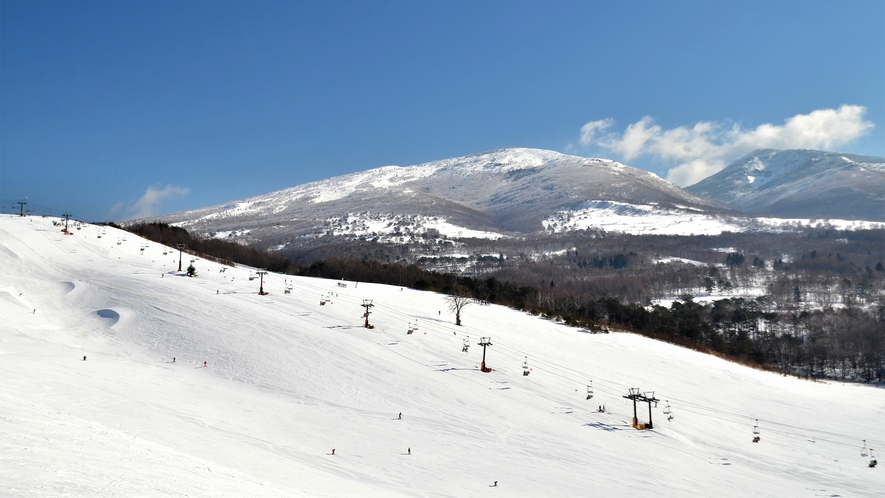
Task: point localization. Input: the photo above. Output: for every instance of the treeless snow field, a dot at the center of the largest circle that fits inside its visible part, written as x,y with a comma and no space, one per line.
288,379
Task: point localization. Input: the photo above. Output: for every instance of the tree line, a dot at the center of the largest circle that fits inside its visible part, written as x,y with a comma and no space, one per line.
772,331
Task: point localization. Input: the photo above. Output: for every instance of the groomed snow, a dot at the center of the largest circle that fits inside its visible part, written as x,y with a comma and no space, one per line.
289,379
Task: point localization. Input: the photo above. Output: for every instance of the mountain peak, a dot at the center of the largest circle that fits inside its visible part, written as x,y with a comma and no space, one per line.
510,190
800,183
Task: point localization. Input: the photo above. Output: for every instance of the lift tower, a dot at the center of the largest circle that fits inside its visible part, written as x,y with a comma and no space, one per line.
484,342
649,398
367,303
262,272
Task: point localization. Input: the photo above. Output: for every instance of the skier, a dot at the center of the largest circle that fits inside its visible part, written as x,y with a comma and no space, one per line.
84,357
205,365
495,485
409,450
173,359
333,451
400,417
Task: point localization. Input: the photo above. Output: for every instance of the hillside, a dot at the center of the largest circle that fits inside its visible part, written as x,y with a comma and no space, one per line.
288,379
495,194
801,184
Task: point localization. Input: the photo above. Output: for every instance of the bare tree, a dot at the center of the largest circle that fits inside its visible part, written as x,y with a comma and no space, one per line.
456,303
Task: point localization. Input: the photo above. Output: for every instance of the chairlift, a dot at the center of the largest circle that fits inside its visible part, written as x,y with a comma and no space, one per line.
412,328
465,345
667,410
756,437
864,451
525,367
590,390
873,461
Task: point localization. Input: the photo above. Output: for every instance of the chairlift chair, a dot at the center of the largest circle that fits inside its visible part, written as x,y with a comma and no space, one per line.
590,390
525,367
667,410
756,428
864,451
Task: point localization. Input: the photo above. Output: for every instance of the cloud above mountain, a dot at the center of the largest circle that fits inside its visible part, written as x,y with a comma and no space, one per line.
706,147
148,204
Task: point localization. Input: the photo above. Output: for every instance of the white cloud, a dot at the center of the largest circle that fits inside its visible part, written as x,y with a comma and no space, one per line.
148,204
705,148
588,131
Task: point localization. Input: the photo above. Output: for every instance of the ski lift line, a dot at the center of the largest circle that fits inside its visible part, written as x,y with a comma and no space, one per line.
689,407
574,376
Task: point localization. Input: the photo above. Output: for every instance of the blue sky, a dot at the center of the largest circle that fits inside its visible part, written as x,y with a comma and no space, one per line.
115,109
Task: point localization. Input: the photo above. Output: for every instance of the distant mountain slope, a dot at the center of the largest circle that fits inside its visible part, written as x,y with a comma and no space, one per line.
483,195
801,184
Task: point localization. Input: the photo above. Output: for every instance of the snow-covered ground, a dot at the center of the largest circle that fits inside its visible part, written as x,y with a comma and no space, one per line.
638,219
287,380
398,229
651,219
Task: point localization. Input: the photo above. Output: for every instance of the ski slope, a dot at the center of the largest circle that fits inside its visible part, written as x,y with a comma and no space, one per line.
287,380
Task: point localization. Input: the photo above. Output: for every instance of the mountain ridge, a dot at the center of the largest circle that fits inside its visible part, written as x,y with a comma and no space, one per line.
506,191
800,183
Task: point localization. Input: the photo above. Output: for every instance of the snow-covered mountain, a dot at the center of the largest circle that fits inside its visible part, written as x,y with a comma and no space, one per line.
293,374
488,195
801,184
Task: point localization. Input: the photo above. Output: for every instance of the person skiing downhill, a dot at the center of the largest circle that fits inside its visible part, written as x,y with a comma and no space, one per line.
400,416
